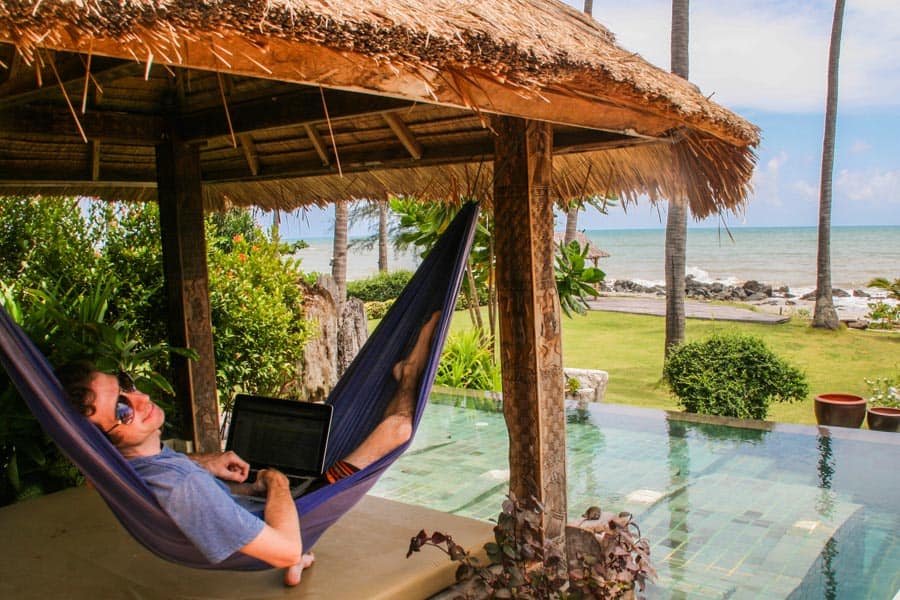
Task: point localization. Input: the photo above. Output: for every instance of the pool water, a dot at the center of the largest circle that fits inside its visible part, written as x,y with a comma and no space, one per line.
732,509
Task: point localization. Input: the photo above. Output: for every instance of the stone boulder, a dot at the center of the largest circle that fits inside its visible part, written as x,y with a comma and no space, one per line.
591,383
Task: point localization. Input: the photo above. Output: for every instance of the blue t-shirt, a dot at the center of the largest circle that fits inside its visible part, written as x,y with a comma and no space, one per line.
200,504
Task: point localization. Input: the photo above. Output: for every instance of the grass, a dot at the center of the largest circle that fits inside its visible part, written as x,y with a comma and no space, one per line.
630,348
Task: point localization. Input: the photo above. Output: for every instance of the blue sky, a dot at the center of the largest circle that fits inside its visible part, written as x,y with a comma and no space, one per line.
766,60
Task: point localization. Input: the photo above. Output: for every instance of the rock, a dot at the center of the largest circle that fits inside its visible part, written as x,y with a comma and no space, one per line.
858,324
809,296
861,294
754,287
318,370
589,379
352,333
839,293
756,296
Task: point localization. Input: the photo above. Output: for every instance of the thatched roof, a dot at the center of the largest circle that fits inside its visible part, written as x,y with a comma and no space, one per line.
594,253
439,67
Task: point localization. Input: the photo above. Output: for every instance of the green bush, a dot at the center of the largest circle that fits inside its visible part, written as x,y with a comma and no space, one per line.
732,375
380,287
377,310
468,363
257,314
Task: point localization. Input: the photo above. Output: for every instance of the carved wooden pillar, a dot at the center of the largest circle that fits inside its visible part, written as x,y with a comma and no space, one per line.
530,333
187,287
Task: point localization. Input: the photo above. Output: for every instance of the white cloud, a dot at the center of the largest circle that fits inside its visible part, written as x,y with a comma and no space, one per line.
766,181
870,185
771,55
804,190
860,146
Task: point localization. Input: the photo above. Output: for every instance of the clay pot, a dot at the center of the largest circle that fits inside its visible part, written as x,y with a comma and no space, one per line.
840,410
882,418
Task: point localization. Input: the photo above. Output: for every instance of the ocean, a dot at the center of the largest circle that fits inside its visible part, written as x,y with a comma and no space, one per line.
781,256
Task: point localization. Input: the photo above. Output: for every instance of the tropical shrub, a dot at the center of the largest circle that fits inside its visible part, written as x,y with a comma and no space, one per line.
731,375
377,310
379,287
467,362
892,287
883,315
257,315
575,280
885,391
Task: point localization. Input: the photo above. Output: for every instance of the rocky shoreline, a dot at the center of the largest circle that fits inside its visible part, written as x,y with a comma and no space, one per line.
758,294
749,291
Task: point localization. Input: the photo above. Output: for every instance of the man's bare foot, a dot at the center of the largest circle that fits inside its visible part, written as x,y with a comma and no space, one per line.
408,371
414,363
293,573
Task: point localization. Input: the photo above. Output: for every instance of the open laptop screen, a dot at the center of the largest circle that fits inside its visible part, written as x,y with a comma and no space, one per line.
288,435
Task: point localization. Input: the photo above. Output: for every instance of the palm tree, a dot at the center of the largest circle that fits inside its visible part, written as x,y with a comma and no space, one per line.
339,253
825,316
676,220
382,236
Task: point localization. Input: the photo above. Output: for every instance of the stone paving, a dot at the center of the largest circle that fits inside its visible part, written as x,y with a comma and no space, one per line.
649,305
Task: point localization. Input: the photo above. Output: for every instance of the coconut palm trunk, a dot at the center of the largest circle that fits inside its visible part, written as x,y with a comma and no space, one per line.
383,236
825,316
339,251
571,223
676,220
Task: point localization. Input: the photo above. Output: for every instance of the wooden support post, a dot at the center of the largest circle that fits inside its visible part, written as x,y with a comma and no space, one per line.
187,287
530,333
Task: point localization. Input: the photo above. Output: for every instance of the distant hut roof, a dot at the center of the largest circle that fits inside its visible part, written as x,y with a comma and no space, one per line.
594,253
622,126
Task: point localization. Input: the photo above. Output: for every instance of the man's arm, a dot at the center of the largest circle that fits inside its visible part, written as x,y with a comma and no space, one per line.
279,543
227,466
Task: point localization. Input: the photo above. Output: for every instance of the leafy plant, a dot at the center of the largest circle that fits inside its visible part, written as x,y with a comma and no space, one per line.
572,385
377,310
885,391
525,565
575,280
379,287
883,316
731,375
257,314
892,287
467,362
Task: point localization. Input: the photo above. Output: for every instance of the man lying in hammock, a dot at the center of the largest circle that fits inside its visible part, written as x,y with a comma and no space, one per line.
191,489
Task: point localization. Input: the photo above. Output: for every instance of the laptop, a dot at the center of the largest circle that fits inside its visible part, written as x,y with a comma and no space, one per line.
287,435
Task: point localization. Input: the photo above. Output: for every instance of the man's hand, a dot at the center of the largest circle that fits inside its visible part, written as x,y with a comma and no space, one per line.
227,466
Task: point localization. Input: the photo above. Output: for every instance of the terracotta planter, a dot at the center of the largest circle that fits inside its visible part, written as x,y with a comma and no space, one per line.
882,418
840,410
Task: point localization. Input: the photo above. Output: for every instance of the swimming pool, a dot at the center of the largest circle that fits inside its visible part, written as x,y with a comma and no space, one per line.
732,509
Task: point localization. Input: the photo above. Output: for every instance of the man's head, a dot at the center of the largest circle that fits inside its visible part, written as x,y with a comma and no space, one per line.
126,415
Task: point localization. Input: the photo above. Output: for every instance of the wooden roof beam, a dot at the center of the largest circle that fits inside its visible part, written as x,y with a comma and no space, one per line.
250,153
404,134
49,122
318,143
286,110
22,90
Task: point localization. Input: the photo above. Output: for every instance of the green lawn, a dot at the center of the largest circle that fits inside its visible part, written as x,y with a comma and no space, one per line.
629,348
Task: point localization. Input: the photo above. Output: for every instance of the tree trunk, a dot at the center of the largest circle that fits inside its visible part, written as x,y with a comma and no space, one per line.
571,223
825,316
383,236
676,220
339,253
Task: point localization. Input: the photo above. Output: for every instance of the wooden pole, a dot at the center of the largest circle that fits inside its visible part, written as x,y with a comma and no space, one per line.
187,288
530,331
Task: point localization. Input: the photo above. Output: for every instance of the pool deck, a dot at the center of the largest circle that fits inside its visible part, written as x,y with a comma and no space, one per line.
693,309
69,545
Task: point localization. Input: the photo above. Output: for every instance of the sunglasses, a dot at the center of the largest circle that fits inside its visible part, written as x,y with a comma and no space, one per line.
124,409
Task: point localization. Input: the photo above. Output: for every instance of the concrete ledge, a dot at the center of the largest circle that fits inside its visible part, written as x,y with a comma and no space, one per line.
70,545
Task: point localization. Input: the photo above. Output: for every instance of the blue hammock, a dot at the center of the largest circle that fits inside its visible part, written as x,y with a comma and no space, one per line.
359,400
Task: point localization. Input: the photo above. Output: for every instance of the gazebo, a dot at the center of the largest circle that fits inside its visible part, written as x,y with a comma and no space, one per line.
201,105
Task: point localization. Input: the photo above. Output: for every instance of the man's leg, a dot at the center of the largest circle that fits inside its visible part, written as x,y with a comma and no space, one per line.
396,427
293,573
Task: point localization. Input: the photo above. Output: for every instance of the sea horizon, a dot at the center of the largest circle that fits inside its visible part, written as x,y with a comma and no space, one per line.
780,256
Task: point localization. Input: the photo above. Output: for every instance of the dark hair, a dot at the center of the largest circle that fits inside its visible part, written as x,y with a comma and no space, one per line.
75,378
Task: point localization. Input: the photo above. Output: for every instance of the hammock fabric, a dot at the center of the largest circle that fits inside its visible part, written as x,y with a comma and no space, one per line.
359,400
